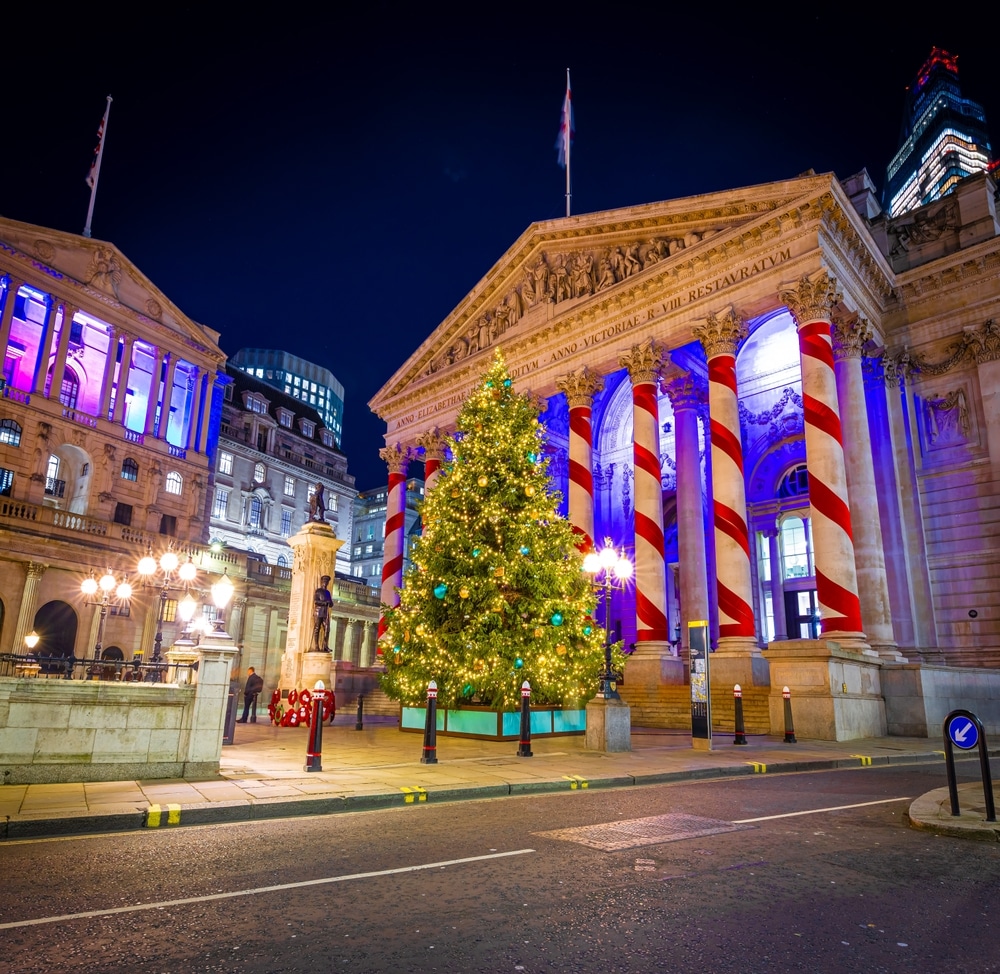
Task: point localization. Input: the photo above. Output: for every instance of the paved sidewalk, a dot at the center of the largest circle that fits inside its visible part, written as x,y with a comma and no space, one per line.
262,776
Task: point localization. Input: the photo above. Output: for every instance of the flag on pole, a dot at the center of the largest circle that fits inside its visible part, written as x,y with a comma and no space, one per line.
92,174
566,128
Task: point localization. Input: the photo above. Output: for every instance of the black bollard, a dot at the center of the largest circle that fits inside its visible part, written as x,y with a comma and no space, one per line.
430,726
524,748
741,737
360,725
314,752
789,730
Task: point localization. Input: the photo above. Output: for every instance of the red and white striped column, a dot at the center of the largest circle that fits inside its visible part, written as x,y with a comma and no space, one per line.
645,363
580,389
811,303
434,442
396,458
720,336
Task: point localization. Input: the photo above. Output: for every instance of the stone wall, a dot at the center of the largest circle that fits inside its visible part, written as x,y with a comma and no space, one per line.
918,697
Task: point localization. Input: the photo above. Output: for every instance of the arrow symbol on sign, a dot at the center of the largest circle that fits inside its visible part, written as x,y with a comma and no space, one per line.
962,733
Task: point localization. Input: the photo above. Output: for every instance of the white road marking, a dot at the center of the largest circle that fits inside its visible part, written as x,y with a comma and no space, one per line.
818,811
261,889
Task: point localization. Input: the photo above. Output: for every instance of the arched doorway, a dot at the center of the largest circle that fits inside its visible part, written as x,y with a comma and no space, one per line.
56,625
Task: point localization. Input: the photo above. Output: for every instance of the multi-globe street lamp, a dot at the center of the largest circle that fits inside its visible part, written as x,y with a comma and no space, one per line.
222,593
171,571
106,584
611,570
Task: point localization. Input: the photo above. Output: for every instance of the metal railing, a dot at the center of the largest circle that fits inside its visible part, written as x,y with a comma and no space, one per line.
33,665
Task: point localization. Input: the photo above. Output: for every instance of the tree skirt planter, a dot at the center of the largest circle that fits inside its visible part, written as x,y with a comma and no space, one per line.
491,725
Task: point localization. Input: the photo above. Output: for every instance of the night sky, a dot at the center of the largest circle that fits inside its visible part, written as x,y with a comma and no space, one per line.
335,186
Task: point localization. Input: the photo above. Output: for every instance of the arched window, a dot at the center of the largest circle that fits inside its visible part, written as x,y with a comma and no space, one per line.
10,432
796,548
174,483
70,389
259,473
795,483
130,469
282,561
255,514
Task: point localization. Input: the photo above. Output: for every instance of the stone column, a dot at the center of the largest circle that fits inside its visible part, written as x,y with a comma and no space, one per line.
721,336
168,392
208,717
44,344
850,334
206,415
350,628
580,389
33,571
983,345
121,392
107,384
687,394
434,442
14,285
811,303
314,549
365,659
397,458
192,427
777,583
652,662
154,392
59,368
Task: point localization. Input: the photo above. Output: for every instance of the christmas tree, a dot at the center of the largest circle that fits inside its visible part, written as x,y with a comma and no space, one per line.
496,594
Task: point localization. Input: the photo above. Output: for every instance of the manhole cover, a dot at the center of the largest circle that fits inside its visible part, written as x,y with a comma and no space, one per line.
611,836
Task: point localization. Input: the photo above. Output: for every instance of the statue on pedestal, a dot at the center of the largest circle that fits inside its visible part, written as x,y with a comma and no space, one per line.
317,504
322,600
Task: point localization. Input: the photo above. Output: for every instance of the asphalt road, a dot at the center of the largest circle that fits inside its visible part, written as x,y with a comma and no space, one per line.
810,872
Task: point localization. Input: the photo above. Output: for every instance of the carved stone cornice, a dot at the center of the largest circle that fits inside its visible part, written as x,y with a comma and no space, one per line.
435,442
721,334
580,387
850,335
686,391
645,362
396,458
811,299
975,345
983,345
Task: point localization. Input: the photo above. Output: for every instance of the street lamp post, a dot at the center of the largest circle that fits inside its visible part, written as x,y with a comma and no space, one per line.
106,584
169,565
222,593
611,570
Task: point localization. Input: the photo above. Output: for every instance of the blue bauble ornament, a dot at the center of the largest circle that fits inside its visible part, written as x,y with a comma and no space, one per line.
489,384
525,550
532,457
556,619
468,690
475,552
395,649
440,591
587,630
506,382
518,663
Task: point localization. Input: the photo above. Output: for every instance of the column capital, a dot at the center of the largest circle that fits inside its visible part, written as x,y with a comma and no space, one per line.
435,442
984,344
644,362
686,391
812,299
35,569
580,387
721,334
396,458
851,333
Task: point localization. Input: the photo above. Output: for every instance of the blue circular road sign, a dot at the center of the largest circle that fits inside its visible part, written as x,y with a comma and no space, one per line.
963,732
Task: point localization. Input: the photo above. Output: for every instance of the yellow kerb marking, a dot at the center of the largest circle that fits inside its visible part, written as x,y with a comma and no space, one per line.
575,781
758,768
863,758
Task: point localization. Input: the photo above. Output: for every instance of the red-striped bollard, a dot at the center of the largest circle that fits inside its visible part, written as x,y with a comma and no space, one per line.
789,730
314,752
741,737
524,748
430,726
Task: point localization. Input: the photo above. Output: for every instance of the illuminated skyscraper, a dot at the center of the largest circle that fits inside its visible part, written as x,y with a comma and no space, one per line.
943,138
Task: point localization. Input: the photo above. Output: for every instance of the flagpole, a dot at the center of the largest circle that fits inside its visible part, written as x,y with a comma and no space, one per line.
569,139
96,169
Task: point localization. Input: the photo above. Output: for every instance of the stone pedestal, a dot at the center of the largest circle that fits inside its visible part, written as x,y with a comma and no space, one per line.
215,664
739,660
836,694
315,666
609,725
180,656
653,664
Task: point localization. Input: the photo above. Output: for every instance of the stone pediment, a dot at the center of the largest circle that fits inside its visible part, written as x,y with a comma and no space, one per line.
569,265
98,273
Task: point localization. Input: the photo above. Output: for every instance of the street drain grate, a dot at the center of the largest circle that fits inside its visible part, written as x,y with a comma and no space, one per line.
612,836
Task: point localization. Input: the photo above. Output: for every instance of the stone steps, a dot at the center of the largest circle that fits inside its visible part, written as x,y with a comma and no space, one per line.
669,707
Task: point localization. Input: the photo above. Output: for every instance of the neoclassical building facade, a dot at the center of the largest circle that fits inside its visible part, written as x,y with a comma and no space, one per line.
780,402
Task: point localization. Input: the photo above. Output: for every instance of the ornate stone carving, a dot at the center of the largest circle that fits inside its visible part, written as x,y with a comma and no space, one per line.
645,362
580,386
922,226
105,271
395,457
44,250
947,419
721,334
435,442
811,300
153,308
850,335
983,345
686,391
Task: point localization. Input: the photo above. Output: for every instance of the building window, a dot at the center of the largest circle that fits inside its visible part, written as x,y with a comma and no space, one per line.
123,514
221,504
259,473
282,561
285,418
796,548
331,502
6,481
368,549
255,513
289,486
168,525
376,570
174,483
357,551
10,432
130,469
359,572
70,389
795,483
286,523
226,463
